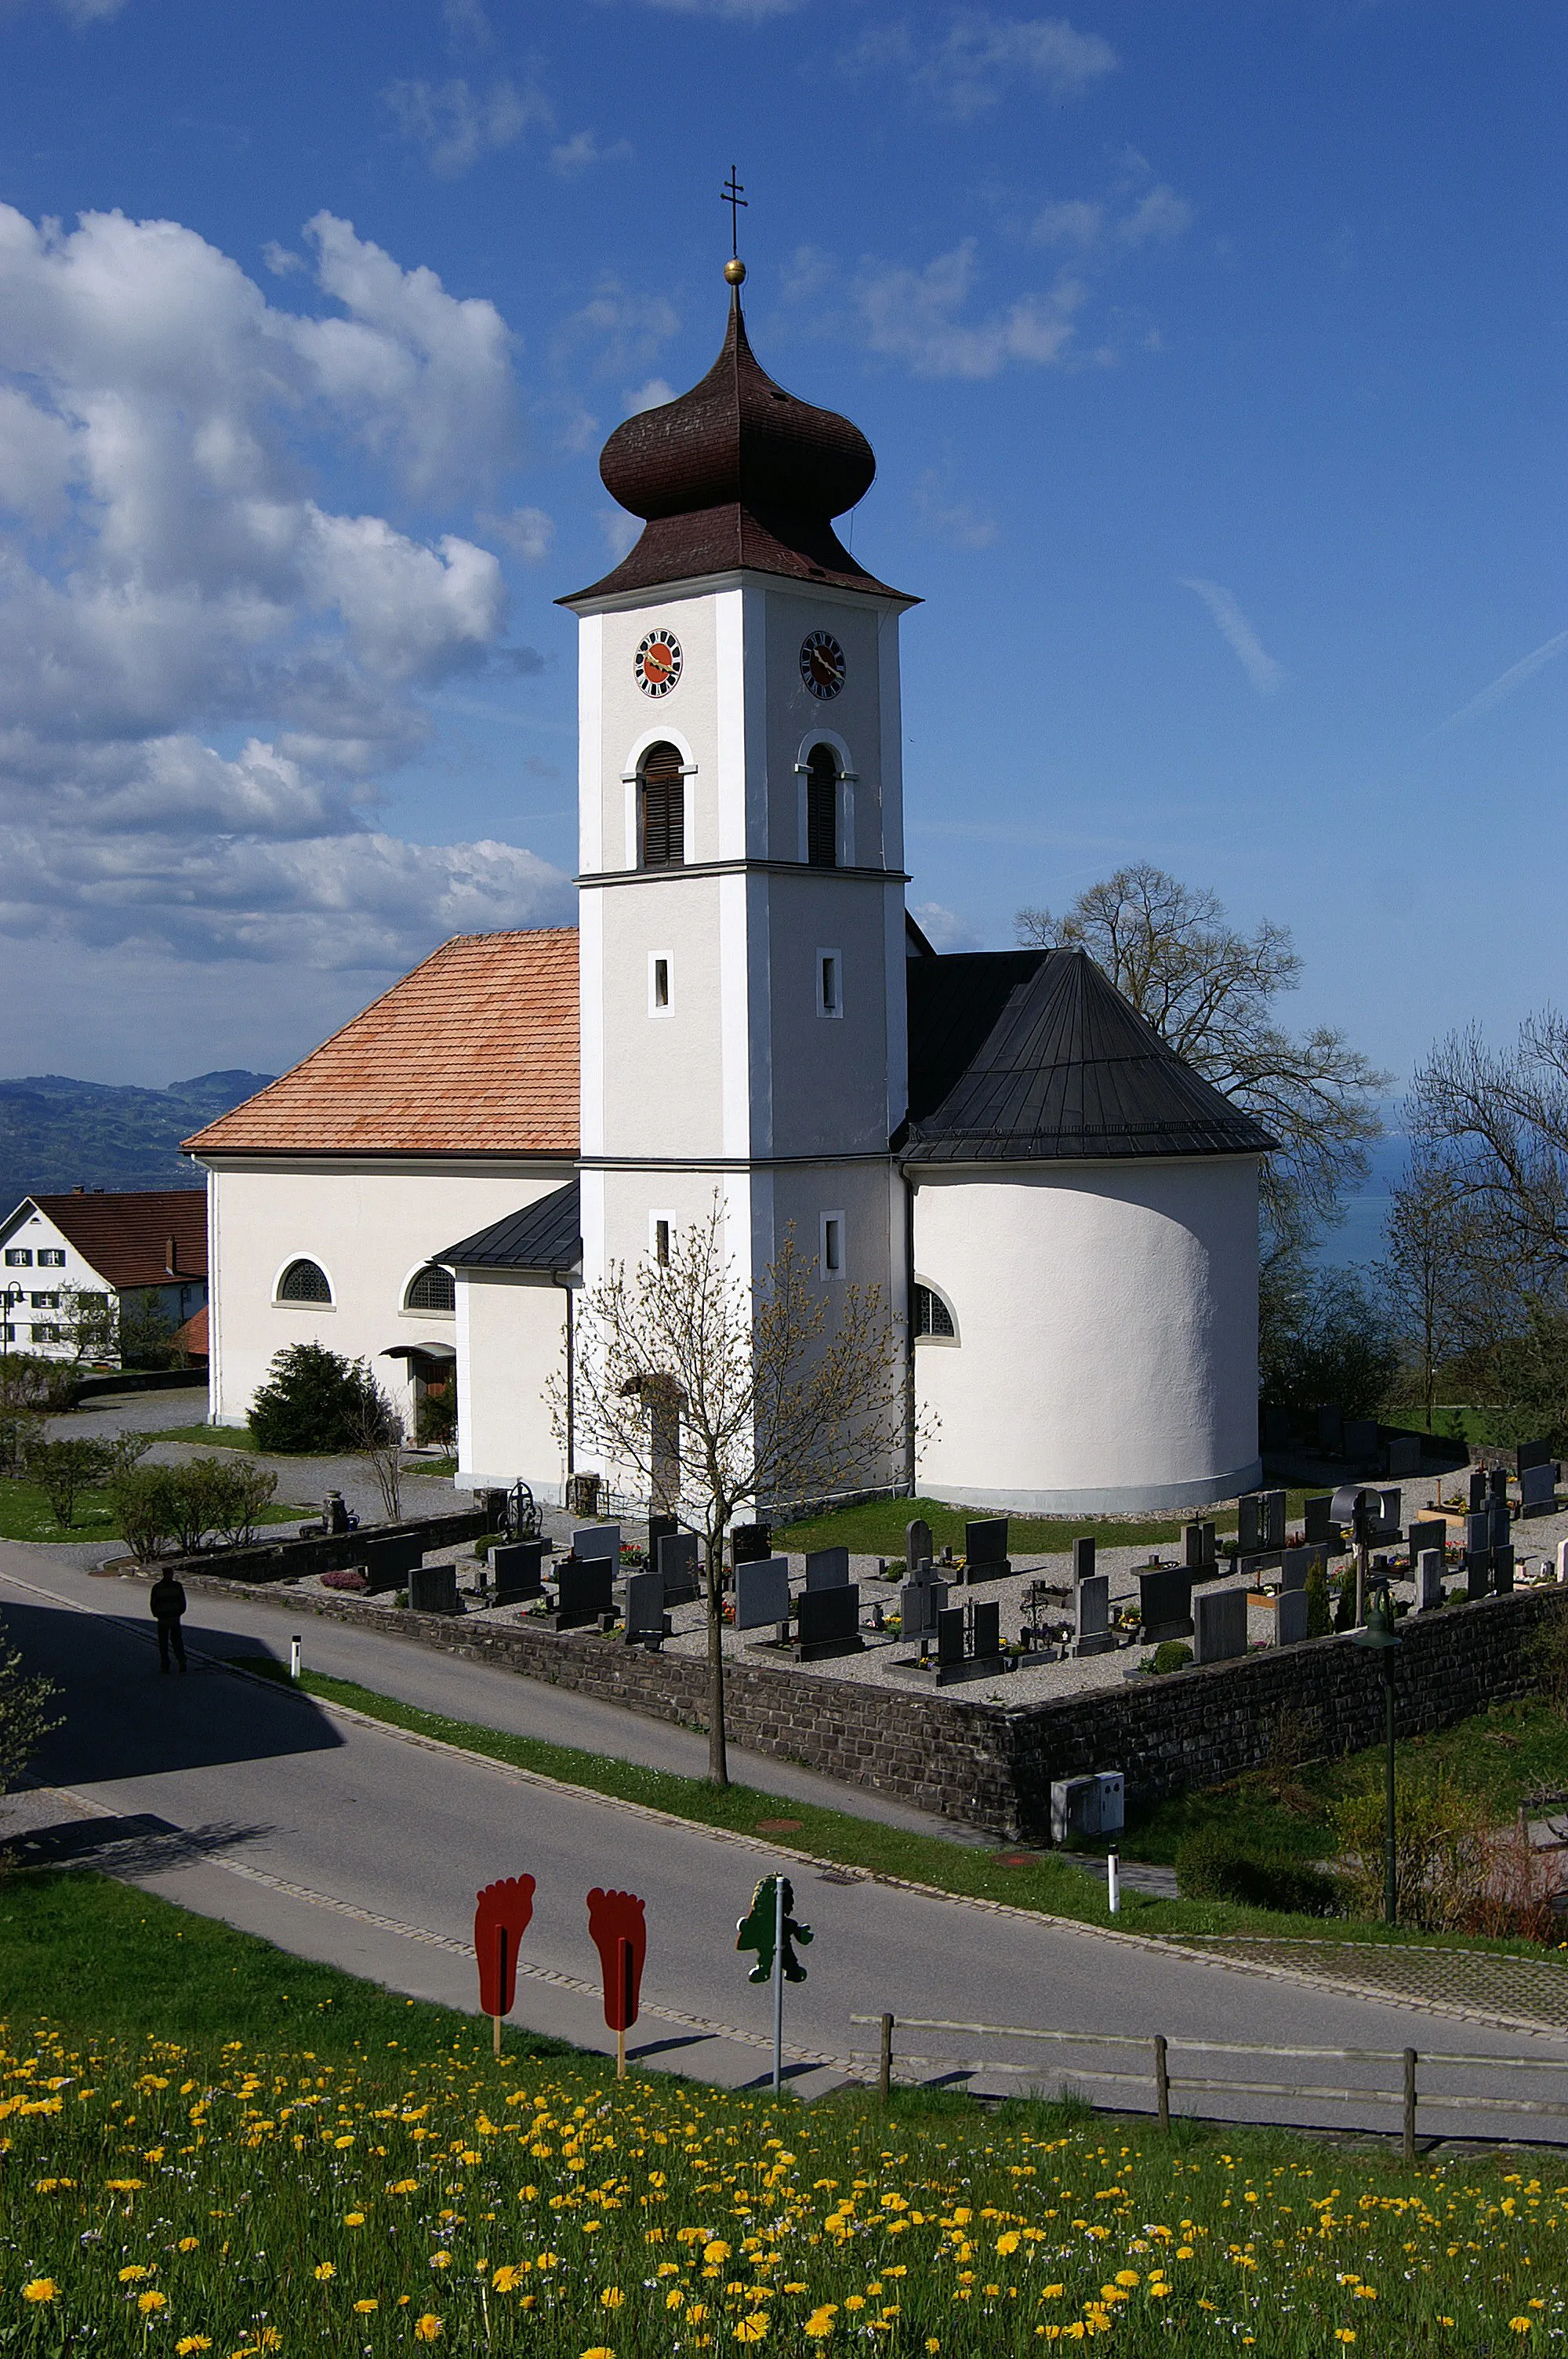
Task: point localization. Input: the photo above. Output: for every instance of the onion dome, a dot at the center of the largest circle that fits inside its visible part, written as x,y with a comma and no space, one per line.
737,473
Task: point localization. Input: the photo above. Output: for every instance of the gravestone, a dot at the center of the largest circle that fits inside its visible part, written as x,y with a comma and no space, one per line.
1091,1602
1198,1547
1538,1489
1220,1625
1391,1507
1478,1534
1322,1531
985,1549
645,1615
1503,1571
660,1527
583,1592
749,1543
1330,1432
1477,1489
826,1568
1361,1441
433,1588
919,1603
1290,1617
1527,1455
1165,1604
388,1563
949,1638
1083,1560
1497,1481
761,1593
1428,1580
985,1630
593,1543
1477,1573
517,1571
828,1621
1500,1522
917,1543
1404,1455
677,1566
1422,1535
1249,1523
1295,1566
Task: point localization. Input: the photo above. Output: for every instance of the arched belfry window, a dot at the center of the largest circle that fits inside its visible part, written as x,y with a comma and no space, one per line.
822,808
304,1281
431,1288
661,809
933,1317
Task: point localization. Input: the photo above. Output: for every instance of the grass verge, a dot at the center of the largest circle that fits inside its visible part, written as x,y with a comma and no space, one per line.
256,2183
1018,1877
26,1514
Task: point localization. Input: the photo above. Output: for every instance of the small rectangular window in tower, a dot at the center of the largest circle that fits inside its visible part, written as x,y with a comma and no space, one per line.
829,991
662,1240
832,1245
658,984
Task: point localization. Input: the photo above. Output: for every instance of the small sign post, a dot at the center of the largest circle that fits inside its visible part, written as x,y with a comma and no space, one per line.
618,1927
501,1915
770,1930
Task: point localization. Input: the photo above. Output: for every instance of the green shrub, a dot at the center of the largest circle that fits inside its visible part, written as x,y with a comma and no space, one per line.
315,1400
1171,1655
1320,1617
30,1380
157,1507
63,1470
1212,1866
438,1418
142,1498
21,1430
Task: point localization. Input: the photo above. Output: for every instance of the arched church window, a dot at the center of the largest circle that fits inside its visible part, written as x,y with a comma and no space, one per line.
822,808
431,1288
932,1316
661,817
304,1281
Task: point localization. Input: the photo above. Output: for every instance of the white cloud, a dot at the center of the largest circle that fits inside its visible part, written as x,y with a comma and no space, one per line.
1075,222
744,12
652,395
1506,682
527,532
281,260
619,532
578,153
943,929
456,125
1088,226
982,58
957,522
467,24
205,671
918,316
88,11
1233,627
1158,217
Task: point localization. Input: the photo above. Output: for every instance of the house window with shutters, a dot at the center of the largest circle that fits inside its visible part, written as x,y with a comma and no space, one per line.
822,808
661,809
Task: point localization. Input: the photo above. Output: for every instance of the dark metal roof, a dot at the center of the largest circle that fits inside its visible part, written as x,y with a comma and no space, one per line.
737,474
544,1235
1034,1057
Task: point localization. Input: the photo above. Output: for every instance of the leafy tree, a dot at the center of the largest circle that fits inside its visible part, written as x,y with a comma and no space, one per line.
24,1716
89,1319
314,1400
63,1470
712,1395
1323,1338
1208,992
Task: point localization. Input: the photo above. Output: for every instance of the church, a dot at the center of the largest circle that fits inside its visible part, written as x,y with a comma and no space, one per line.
1062,1215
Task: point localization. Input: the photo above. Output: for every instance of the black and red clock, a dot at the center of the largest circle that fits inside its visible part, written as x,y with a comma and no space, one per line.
658,663
822,664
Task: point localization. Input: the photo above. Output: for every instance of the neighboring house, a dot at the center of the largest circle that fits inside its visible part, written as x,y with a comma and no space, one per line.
146,1249
1062,1214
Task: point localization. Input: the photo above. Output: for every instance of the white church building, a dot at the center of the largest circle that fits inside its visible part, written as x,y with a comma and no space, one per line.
1062,1214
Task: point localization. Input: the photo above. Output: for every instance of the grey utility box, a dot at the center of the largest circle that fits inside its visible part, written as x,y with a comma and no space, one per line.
1087,1806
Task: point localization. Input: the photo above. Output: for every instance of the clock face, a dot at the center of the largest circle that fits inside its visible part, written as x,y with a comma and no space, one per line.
658,663
822,664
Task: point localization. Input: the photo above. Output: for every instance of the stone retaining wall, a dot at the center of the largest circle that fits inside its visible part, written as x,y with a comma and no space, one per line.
991,1767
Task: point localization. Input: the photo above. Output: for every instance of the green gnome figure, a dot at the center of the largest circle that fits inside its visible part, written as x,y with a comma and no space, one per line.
756,1931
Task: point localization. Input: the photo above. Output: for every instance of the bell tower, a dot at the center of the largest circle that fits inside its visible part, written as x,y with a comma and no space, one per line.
741,843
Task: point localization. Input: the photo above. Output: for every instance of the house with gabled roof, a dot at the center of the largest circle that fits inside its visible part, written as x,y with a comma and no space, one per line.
144,1250
1062,1215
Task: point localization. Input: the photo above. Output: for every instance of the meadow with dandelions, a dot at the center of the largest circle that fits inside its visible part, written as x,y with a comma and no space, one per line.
159,2198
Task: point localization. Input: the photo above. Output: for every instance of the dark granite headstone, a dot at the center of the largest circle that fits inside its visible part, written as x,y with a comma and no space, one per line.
919,1603
1321,1529
388,1563
593,1542
1529,1454
644,1606
1503,1571
749,1543
1295,1566
985,1549
677,1563
1361,1441
583,1592
1478,1533
828,1567
1083,1559
1477,1489
1499,1521
917,1543
1165,1604
433,1588
985,1630
1426,1536
1091,1601
761,1593
1219,1625
1330,1432
1428,1580
1538,1489
1497,1481
516,1570
1198,1544
828,1617
949,1637
1477,1573
1290,1617
1404,1455
1392,1509
660,1527
1249,1537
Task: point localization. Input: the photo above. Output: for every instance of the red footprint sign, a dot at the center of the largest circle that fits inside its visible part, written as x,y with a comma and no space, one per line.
501,1918
620,1934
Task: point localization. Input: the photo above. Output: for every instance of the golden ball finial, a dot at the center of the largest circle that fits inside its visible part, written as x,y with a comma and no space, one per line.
735,271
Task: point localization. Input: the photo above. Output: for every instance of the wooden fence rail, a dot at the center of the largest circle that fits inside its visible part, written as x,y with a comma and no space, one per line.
1161,2080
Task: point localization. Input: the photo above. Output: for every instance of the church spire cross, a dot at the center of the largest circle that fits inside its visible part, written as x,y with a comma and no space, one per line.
729,195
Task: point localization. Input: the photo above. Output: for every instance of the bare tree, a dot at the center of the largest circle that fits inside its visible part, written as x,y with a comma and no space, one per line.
1497,1121
24,1716
712,1395
1427,1275
1208,992
379,1434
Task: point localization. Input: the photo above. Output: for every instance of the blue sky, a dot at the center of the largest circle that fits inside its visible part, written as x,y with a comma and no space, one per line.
1212,357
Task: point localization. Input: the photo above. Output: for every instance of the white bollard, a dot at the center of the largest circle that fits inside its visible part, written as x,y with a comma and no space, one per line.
294,1660
1113,1881
1563,1559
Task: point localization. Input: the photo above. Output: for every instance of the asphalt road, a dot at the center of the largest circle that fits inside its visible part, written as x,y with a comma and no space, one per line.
341,1841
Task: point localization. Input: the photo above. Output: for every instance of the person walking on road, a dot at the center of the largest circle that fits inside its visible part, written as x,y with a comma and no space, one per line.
168,1603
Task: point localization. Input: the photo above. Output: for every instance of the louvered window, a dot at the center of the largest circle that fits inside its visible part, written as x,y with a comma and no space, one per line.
822,808
431,1289
662,794
932,1316
304,1281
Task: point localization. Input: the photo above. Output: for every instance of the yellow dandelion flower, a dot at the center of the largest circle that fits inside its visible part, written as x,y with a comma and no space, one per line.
428,2329
674,2299
149,2302
134,2274
189,2344
325,2269
507,2279
1052,2293
354,2219
40,2289
1127,2277
367,2305
716,2253
931,2344
440,2260
599,2351
611,2298
188,2243
753,2329
819,2325
1008,2243
1522,2325
1344,2334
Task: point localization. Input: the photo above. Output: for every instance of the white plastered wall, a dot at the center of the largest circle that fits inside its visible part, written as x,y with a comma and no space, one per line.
511,1345
370,1227
1107,1352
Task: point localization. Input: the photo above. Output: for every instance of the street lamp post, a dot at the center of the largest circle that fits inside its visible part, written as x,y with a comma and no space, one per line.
1379,1636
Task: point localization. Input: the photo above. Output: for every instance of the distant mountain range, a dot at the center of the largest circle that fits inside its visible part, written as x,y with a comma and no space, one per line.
57,1133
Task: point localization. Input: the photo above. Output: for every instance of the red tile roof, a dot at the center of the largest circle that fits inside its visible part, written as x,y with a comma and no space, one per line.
126,1238
191,1339
474,1053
